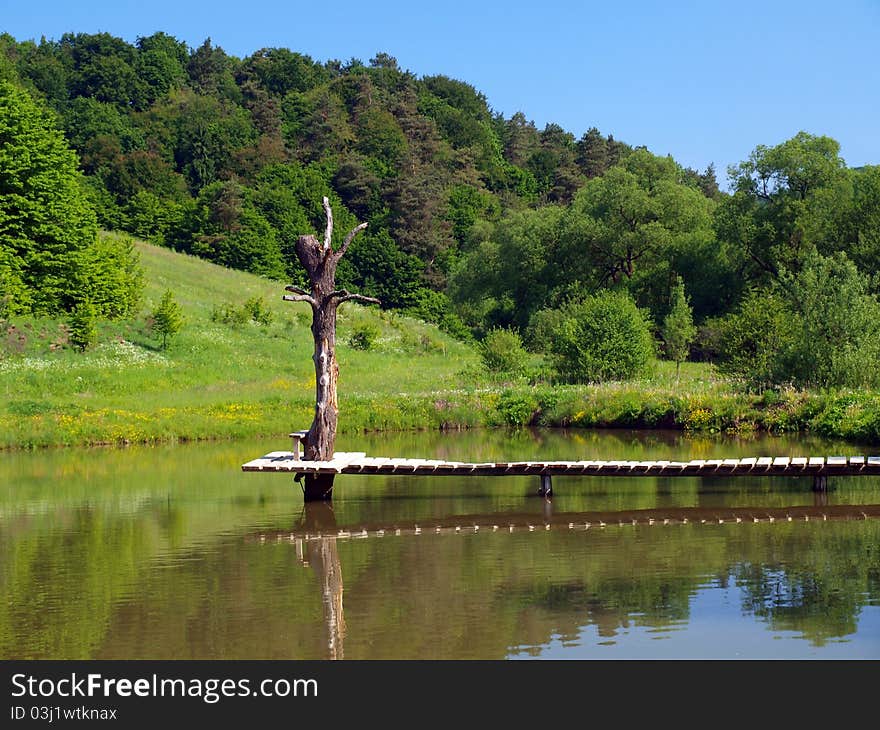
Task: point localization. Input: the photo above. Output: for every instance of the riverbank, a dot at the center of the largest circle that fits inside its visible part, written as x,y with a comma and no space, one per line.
273,408
229,376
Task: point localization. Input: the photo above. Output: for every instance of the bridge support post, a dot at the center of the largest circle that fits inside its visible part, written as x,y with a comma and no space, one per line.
820,483
316,487
546,488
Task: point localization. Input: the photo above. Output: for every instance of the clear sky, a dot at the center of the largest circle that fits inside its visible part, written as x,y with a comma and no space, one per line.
704,81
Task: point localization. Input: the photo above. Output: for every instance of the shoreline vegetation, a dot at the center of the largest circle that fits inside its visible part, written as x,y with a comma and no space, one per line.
236,371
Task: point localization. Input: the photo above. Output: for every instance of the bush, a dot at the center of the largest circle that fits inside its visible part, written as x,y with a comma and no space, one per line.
604,337
363,336
255,308
756,341
82,331
819,328
229,314
541,327
502,352
516,409
113,276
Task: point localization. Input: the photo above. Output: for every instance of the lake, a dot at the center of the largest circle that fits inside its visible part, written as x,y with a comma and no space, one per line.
171,552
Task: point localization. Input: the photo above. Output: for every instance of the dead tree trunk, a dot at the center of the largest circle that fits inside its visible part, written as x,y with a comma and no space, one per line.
320,262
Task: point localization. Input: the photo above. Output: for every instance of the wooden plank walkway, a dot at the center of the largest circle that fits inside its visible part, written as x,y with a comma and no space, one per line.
360,463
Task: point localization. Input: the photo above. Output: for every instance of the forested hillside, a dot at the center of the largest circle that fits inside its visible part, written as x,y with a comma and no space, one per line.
476,221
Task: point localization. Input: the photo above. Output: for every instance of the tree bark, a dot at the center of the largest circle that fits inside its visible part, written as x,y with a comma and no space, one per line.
320,261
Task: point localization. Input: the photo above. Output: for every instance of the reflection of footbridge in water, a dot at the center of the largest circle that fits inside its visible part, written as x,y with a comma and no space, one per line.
316,536
547,520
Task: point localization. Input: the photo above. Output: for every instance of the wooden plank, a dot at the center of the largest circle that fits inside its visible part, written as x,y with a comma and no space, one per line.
359,462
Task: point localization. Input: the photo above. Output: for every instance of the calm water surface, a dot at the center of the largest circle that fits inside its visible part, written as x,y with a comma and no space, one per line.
173,552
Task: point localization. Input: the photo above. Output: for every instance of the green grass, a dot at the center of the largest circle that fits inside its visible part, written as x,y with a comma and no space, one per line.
219,380
214,380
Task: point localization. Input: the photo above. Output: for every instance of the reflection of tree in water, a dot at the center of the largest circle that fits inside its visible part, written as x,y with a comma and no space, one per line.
804,591
322,556
794,601
88,583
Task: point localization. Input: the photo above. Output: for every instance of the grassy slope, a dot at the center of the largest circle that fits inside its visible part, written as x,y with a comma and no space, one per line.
215,379
223,381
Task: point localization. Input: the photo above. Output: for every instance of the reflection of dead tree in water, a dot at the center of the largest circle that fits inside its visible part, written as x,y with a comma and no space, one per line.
323,557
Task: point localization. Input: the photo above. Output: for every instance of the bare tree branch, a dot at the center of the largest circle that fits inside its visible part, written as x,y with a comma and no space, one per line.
348,239
328,232
343,295
296,289
300,298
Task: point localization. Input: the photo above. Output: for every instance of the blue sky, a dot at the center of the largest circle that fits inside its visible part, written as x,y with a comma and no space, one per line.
703,81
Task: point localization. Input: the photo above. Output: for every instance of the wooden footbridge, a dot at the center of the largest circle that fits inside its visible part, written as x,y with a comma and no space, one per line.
817,467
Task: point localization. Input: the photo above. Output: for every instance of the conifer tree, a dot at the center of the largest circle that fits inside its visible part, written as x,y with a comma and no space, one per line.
168,318
82,332
678,327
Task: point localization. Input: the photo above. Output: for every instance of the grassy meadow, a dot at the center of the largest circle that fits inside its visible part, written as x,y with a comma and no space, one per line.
222,380
216,379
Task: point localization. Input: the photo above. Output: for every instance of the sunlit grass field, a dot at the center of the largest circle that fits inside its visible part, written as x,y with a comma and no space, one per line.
220,380
214,379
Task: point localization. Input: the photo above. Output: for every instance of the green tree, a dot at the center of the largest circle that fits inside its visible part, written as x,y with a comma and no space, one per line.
502,353
756,340
678,326
603,337
167,318
773,193
82,330
226,227
46,221
632,225
818,327
592,153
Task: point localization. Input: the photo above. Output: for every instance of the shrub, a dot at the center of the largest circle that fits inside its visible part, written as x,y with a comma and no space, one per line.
229,314
255,309
516,409
363,336
542,324
502,353
819,328
604,337
756,341
82,331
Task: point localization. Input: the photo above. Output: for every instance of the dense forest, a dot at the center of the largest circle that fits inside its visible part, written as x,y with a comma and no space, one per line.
485,225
